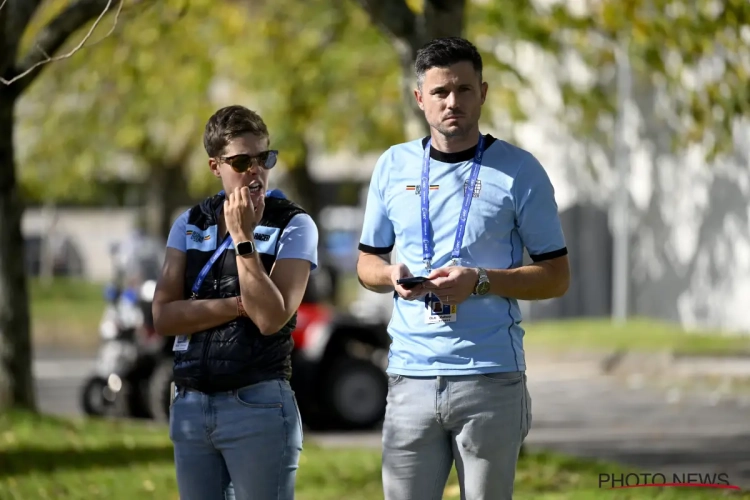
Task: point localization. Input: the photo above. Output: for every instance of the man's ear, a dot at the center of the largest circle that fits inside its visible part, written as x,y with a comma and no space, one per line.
418,97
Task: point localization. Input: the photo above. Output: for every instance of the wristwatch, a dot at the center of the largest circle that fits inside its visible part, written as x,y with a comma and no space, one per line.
483,283
244,248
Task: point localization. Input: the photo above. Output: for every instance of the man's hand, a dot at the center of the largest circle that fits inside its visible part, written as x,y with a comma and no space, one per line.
401,271
452,284
241,214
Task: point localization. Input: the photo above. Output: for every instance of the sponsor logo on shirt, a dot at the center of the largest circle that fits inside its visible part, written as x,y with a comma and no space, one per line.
417,188
477,187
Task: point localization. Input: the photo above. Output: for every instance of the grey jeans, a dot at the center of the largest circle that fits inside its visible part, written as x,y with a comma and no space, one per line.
478,421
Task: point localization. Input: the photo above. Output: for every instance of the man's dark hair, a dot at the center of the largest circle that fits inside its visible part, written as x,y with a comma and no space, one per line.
444,52
228,123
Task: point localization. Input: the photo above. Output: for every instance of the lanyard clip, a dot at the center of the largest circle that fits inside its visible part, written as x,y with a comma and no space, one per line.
427,264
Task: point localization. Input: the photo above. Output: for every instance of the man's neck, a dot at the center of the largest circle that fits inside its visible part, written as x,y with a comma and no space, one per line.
454,144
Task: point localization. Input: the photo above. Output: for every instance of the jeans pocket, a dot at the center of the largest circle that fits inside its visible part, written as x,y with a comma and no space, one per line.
502,378
299,417
173,394
395,379
527,409
261,395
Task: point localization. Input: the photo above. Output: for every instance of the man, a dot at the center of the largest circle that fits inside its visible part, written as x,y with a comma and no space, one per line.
235,271
460,207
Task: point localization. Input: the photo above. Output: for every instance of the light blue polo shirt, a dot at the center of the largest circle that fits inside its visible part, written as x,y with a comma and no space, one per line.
513,207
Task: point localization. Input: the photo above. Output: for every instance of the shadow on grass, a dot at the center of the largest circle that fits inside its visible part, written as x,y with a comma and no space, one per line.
38,459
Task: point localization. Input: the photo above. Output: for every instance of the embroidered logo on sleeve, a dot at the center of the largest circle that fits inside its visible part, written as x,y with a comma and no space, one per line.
198,239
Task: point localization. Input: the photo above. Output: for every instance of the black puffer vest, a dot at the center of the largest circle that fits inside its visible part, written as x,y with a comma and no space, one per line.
234,354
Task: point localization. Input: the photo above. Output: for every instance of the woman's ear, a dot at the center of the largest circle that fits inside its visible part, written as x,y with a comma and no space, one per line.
214,165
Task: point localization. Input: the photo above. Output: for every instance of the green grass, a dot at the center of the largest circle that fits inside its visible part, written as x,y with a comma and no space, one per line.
51,458
636,335
66,311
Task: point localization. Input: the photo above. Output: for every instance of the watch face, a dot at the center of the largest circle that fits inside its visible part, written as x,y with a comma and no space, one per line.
244,248
483,288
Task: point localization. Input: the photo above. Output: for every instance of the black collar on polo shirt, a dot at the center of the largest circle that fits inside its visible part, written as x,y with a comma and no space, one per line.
459,156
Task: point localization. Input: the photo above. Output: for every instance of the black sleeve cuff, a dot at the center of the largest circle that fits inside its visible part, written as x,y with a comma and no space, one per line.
550,255
375,250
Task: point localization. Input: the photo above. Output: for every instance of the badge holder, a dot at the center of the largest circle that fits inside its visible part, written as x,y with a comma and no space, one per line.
435,311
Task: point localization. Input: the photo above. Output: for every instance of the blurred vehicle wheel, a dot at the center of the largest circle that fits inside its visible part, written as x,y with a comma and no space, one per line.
354,392
97,400
92,397
158,390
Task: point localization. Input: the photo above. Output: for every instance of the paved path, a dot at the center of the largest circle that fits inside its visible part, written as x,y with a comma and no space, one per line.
595,416
575,410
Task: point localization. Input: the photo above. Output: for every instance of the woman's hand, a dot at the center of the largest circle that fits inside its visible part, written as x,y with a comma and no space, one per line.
241,215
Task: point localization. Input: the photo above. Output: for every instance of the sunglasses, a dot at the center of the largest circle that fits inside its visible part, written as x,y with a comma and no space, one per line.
243,163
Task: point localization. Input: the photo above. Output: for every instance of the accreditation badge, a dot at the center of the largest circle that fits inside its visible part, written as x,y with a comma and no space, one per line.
438,312
181,343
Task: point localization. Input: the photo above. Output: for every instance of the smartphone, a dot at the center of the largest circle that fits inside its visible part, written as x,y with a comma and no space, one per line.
410,283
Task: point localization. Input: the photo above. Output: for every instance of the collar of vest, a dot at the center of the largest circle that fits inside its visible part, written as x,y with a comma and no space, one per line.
210,206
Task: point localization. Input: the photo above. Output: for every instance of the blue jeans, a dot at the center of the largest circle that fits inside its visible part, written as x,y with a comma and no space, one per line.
478,421
238,444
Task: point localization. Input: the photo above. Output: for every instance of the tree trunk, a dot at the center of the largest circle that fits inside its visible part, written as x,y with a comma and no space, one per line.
303,186
16,382
166,191
409,32
414,123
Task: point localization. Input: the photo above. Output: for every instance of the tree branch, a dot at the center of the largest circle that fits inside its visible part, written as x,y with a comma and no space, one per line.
18,16
55,34
14,18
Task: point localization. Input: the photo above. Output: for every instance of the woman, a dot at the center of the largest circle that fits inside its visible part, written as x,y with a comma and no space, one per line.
235,271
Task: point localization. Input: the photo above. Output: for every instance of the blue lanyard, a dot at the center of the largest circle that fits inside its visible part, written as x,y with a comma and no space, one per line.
427,252
207,267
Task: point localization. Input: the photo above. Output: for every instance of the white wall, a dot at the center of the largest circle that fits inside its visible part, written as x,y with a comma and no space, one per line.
91,231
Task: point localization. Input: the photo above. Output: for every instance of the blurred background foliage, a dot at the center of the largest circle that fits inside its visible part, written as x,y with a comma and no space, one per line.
326,76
